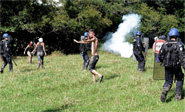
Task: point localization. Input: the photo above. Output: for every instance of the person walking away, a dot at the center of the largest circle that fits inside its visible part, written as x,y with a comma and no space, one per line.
172,56
41,52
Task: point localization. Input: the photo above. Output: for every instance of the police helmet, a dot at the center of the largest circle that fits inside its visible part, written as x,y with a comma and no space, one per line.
163,37
86,34
5,35
138,33
174,32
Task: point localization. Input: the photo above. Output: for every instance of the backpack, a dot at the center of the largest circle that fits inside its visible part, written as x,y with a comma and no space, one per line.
172,55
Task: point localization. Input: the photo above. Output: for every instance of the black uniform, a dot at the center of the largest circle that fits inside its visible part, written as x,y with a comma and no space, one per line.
172,55
138,49
6,55
83,49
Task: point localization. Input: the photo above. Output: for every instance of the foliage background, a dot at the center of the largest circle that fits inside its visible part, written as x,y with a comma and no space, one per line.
25,20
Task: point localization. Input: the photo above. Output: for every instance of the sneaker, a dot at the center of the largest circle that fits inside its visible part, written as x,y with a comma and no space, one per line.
177,97
163,97
101,78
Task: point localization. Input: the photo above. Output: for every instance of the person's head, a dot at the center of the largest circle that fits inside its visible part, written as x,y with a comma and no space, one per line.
163,37
173,34
86,34
40,39
156,38
138,34
5,36
31,42
91,33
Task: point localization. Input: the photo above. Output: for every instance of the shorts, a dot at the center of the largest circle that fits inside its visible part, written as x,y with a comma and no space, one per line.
94,59
29,54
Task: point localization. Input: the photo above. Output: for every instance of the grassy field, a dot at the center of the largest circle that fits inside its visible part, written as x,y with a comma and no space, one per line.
63,86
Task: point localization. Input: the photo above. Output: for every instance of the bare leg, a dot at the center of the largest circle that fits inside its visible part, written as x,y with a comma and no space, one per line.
96,73
29,59
94,79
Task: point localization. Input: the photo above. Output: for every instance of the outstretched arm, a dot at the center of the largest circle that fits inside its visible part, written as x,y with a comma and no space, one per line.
80,42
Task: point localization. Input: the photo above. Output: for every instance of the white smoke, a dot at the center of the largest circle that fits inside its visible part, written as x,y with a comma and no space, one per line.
116,41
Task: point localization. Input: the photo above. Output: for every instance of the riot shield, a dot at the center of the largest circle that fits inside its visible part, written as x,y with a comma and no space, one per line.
158,68
145,41
82,37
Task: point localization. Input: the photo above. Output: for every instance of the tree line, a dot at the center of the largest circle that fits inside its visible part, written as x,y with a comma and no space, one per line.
59,25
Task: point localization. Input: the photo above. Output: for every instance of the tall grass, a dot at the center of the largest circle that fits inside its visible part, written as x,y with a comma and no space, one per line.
64,86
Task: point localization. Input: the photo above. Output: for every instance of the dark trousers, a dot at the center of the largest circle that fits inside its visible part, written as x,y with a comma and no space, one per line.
7,60
179,76
86,61
140,59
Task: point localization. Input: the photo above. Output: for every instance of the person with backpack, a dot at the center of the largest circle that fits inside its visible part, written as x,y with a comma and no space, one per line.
30,48
83,49
138,49
6,53
172,56
41,52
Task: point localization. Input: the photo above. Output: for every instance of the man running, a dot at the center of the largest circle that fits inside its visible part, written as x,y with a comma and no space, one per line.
94,51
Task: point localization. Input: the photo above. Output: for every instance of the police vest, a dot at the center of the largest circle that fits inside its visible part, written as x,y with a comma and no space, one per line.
138,47
4,47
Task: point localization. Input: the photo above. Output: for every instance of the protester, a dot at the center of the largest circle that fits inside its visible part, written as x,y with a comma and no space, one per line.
41,52
94,51
30,48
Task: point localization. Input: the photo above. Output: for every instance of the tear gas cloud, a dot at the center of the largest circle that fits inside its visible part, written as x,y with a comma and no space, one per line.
116,42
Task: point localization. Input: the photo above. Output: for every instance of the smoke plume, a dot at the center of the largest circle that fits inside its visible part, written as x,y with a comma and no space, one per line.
116,42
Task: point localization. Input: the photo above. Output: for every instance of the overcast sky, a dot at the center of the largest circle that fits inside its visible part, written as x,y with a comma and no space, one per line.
57,1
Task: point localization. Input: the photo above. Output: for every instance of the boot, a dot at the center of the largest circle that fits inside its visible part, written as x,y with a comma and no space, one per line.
178,97
164,93
2,67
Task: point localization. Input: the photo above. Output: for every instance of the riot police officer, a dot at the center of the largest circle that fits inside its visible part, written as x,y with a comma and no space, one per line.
163,37
6,53
172,55
138,49
83,49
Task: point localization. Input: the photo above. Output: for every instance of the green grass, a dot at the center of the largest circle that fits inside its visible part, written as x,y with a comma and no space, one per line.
63,86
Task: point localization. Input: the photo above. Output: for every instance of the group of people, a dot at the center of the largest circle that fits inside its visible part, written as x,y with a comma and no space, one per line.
6,52
41,52
90,38
171,55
